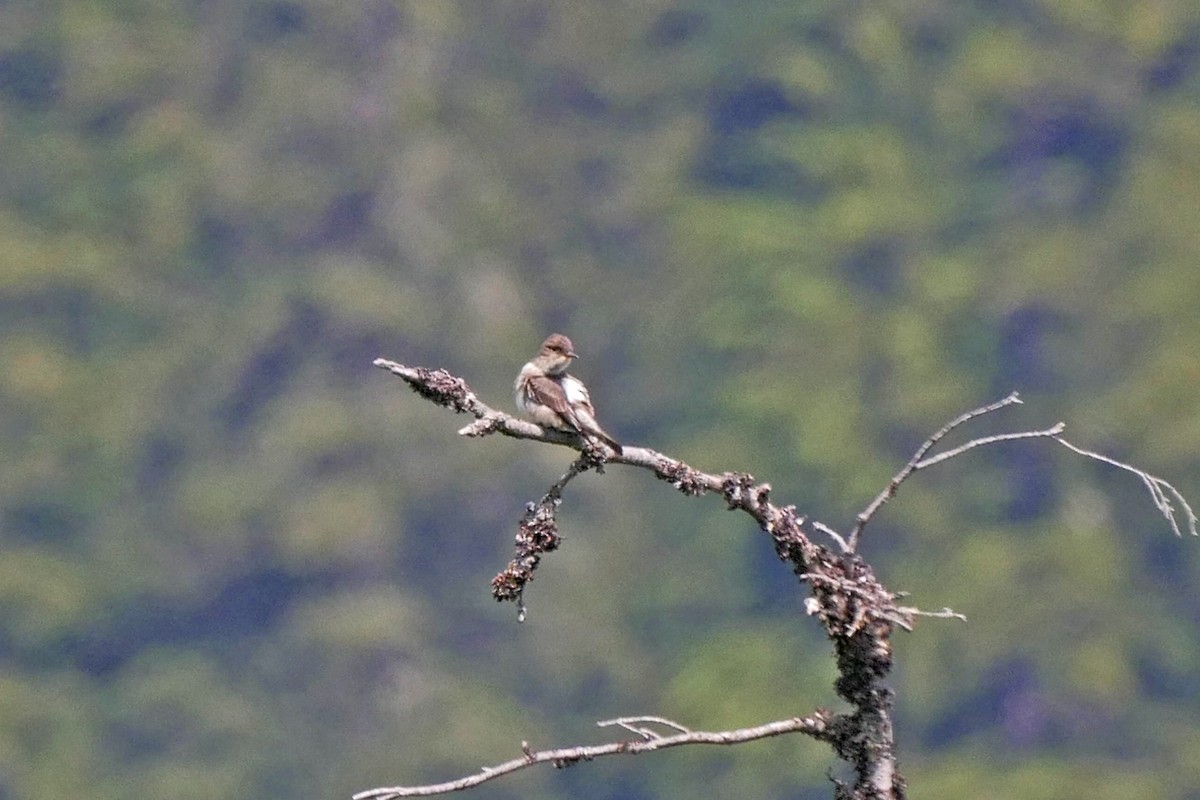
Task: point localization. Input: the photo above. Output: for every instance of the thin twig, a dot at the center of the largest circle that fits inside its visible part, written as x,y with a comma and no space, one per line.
1157,487
945,613
816,725
537,533
913,464
1161,491
832,534
1049,433
638,725
578,467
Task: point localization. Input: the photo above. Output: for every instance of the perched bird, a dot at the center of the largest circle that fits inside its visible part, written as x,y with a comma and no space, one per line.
555,399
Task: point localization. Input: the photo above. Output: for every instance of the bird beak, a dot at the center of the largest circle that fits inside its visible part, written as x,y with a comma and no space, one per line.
572,354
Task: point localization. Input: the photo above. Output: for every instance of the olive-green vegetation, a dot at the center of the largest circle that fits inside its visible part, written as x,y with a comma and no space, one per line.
787,238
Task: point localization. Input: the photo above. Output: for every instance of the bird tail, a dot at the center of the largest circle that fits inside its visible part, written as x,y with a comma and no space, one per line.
608,440
592,430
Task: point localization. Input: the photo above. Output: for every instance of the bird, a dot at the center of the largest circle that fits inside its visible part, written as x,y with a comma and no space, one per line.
547,394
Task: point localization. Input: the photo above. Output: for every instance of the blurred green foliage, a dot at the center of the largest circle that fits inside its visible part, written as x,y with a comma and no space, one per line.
789,238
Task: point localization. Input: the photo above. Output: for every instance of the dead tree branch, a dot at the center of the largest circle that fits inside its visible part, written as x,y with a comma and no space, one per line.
857,612
1157,487
817,724
1160,490
537,534
916,462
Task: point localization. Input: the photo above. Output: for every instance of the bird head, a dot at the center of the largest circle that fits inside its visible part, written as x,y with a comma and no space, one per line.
556,354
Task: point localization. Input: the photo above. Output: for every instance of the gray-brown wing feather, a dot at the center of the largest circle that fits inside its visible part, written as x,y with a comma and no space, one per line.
549,392
580,417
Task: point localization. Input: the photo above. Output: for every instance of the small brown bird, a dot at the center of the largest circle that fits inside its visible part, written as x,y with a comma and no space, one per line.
555,399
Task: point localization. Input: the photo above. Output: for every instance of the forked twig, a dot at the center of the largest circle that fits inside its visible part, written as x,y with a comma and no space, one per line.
1049,433
638,725
915,464
816,724
1157,487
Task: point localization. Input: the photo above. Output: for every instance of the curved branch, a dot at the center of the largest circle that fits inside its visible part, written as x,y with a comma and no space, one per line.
537,534
1050,433
1157,487
817,725
1161,492
915,464
453,392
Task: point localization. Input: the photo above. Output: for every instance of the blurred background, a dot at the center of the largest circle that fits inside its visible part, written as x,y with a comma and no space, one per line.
787,238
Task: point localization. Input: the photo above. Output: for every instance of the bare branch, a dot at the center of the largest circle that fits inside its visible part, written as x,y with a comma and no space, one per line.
638,725
1049,433
832,534
536,534
913,464
816,725
1161,492
945,613
858,613
1157,487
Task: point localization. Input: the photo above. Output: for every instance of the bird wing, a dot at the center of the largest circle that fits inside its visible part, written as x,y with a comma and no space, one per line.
584,412
549,392
568,400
